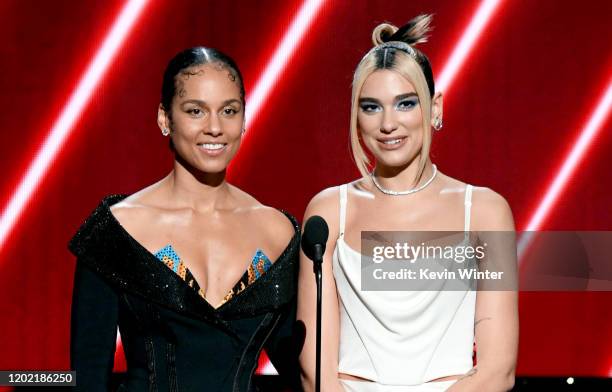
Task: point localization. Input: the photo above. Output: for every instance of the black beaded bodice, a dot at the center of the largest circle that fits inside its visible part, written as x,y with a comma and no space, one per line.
172,336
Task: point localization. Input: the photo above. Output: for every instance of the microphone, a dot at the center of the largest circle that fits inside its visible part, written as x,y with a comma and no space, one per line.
314,238
313,244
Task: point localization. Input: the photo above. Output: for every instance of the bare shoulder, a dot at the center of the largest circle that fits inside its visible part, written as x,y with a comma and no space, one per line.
490,210
276,222
325,197
448,185
272,221
325,203
133,208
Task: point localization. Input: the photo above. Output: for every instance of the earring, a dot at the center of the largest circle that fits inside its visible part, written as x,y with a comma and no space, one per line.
437,124
165,132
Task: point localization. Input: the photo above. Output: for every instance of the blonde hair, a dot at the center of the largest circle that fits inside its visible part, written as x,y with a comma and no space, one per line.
410,63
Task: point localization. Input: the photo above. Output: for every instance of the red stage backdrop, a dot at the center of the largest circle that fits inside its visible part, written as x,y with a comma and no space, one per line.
513,112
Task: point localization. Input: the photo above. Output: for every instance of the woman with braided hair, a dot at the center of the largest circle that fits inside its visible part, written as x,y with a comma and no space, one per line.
403,340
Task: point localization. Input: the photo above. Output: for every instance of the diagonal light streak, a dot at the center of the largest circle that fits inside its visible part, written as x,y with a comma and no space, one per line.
283,53
64,124
569,166
466,43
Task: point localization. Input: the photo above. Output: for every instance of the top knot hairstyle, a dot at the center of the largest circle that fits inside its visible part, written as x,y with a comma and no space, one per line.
394,50
388,38
414,32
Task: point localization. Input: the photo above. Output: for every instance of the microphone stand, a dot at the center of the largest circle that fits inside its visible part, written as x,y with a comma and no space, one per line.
318,276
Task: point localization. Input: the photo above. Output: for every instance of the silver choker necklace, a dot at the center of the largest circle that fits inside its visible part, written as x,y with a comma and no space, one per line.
409,191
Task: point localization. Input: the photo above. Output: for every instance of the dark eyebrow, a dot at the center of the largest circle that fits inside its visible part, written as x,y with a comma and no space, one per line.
231,100
203,103
398,98
401,97
368,99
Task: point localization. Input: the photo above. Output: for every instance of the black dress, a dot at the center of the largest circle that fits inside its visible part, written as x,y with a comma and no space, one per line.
173,339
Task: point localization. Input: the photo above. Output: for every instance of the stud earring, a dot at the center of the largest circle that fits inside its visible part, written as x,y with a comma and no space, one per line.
165,132
437,124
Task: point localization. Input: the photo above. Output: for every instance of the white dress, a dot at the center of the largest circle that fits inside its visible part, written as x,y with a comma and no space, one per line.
400,339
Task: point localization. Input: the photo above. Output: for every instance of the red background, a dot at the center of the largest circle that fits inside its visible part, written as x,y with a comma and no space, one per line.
511,116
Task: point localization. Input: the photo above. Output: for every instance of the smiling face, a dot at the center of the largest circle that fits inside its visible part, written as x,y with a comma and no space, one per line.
206,117
390,119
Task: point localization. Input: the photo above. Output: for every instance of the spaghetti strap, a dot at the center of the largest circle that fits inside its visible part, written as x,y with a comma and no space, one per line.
468,207
343,197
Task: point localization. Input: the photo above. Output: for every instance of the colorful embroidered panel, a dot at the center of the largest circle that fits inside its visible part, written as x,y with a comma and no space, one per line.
259,265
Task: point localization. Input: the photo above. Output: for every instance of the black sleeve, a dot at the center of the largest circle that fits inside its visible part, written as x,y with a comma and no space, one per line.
283,350
93,330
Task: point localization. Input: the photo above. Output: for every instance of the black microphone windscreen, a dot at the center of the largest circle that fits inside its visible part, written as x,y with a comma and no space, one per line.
315,232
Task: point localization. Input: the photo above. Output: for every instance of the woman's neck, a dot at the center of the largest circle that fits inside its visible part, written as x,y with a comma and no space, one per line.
403,178
190,188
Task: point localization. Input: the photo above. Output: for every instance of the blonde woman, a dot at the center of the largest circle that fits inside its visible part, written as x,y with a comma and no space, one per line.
404,340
